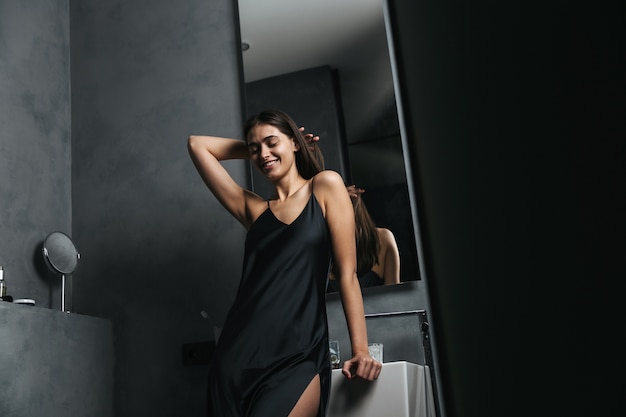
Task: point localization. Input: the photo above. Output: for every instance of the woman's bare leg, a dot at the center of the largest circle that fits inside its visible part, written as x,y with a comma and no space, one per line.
309,403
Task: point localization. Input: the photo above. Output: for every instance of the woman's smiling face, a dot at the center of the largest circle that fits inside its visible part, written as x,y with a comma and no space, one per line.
271,151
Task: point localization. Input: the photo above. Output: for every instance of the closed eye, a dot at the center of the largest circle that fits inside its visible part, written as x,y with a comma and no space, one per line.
270,142
253,148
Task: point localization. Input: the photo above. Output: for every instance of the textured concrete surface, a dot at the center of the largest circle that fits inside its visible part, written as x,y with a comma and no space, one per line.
35,149
54,364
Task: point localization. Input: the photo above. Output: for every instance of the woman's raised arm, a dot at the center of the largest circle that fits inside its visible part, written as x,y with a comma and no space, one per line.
206,153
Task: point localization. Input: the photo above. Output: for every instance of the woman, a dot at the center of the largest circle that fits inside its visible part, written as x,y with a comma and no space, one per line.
378,257
272,357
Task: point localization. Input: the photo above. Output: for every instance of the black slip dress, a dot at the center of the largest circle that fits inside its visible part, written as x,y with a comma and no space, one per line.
275,337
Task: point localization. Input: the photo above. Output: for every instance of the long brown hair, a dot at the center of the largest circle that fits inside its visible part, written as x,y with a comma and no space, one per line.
306,162
367,240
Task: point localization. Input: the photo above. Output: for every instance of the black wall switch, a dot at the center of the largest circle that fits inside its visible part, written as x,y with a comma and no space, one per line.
198,353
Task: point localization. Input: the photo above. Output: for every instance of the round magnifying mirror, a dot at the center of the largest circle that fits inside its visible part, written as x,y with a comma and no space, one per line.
61,256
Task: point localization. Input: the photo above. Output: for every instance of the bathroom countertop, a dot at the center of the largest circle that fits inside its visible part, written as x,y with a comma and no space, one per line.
404,389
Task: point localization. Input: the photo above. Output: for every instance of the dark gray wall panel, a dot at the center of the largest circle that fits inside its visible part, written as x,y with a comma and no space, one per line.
35,151
156,247
54,364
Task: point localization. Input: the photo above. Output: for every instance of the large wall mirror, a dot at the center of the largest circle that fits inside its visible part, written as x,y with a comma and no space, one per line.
281,38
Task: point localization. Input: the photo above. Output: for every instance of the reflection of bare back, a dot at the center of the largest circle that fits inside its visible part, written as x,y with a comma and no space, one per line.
378,256
386,270
388,266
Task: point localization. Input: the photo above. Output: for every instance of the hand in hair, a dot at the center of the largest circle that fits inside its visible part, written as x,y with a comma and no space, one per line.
354,191
309,138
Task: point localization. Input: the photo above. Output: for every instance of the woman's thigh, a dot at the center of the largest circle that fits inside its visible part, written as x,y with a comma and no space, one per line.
309,402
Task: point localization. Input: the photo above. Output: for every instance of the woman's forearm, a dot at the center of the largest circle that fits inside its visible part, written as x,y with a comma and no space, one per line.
221,148
352,301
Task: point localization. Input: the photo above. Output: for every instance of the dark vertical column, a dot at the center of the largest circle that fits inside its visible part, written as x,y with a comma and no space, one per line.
515,133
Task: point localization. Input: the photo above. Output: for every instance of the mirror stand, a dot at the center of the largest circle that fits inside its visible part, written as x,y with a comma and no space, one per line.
61,257
63,293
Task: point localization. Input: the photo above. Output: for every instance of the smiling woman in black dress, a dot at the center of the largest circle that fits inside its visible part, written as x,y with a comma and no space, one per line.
272,357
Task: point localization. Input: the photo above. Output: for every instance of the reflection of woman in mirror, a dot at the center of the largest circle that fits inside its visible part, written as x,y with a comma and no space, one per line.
378,257
272,357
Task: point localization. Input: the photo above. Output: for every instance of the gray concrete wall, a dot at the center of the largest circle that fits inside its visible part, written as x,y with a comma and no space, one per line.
51,363
156,246
54,364
35,151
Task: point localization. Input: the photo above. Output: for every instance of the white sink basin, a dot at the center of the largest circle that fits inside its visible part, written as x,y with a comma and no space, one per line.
403,389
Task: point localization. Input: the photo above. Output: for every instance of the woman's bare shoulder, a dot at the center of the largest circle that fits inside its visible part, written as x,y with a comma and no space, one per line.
330,191
385,235
328,179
